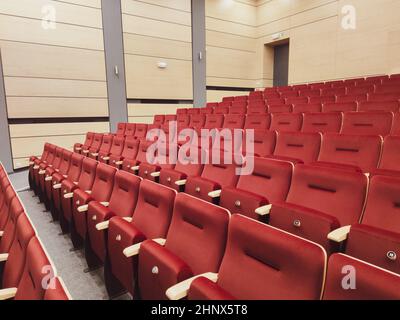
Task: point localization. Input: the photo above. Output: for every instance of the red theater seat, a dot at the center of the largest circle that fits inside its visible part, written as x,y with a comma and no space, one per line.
388,88
361,90
122,203
130,129
224,104
151,220
15,210
371,282
396,124
286,121
195,244
193,111
197,121
168,118
214,121
361,152
322,122
297,146
268,183
324,99
339,107
158,119
234,121
389,106
212,104
379,97
100,191
207,110
290,269
183,121
297,100
182,111
256,95
257,122
367,123
335,91
238,110
95,146
121,129
377,239
104,147
279,108
116,149
352,98
85,182
78,147
307,107
390,159
320,200
257,110
140,131
129,152
221,110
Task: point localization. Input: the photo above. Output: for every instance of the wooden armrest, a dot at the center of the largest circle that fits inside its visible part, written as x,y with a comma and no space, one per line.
57,170
65,176
85,151
155,174
339,235
106,204
88,191
181,289
49,178
102,225
57,186
135,168
8,293
128,219
68,195
181,182
42,172
31,163
75,182
264,210
94,154
78,148
35,167
215,194
106,158
1,233
83,208
134,249
3,257
118,163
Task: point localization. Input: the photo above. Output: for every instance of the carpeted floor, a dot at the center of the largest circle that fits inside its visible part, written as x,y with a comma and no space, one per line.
69,265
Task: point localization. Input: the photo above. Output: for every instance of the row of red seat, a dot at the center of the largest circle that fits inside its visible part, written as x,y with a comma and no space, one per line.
197,249
370,123
26,272
260,107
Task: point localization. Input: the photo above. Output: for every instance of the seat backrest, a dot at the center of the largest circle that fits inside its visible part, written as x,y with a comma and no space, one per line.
89,139
239,104
390,159
214,121
388,106
131,147
224,104
169,117
14,211
241,98
250,271
57,157
372,282
238,110
121,129
297,100
97,141
57,291
396,124
234,121
221,110
141,130
227,99
103,182
158,119
9,194
367,123
352,98
298,145
65,161
256,95
207,110
360,151
307,107
45,152
51,154
182,121
130,129
322,122
190,161
257,110
142,150
88,174
393,96
196,225
339,107
197,120
264,142
75,167
286,121
193,111
325,99
117,145
292,94
383,204
212,104
37,267
360,90
337,91
124,194
280,108
181,111
310,93
154,209
257,122
14,266
338,193
388,88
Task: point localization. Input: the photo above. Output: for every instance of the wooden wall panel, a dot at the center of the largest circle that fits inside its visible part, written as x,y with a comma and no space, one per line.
158,32
231,43
52,72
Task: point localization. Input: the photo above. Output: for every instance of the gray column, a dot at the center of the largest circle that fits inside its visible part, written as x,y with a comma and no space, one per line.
199,52
5,143
115,64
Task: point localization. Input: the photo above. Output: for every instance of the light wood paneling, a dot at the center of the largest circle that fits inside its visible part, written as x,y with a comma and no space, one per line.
147,81
30,60
38,107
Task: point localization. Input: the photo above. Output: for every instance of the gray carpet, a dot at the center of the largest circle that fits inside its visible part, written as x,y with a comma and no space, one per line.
69,265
